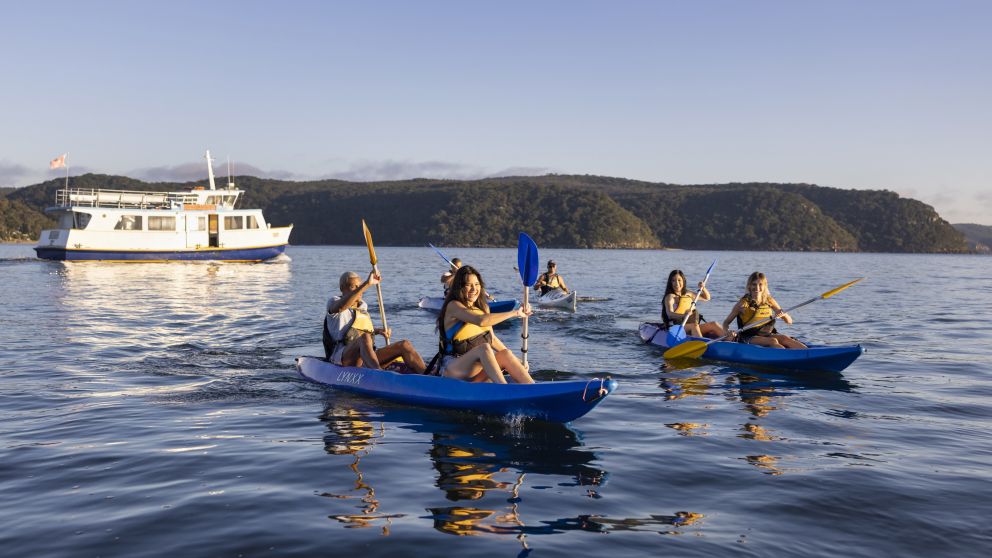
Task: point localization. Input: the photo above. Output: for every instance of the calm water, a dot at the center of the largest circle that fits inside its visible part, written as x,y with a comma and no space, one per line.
153,409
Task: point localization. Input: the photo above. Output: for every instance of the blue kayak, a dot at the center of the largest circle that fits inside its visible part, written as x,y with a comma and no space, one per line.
434,303
552,401
815,358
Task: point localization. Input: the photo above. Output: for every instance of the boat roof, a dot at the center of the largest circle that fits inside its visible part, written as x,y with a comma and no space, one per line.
195,198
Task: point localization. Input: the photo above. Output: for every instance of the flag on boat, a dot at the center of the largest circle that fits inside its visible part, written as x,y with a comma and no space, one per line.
58,162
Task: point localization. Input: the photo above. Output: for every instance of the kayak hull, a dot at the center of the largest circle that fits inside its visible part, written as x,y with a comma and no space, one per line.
434,303
551,401
557,299
816,358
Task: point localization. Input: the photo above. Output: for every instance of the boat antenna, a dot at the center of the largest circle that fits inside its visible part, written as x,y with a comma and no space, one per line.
210,170
230,179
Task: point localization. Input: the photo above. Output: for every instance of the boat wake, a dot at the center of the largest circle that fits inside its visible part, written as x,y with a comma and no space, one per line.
280,259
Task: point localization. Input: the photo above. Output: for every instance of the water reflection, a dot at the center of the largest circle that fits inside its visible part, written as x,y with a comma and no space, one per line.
490,460
482,465
124,308
762,393
351,434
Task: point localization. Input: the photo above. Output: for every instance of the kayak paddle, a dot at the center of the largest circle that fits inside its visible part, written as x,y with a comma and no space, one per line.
440,253
527,264
695,349
375,267
676,334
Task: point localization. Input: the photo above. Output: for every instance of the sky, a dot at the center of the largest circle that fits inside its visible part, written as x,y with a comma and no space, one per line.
893,95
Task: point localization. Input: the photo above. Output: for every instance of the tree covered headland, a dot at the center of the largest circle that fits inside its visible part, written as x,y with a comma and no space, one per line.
560,211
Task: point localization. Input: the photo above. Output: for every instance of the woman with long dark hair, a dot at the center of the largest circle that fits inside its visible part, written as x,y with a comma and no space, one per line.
469,348
676,303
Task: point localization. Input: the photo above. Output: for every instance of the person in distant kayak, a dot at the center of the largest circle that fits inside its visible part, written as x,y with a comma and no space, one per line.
757,305
678,303
469,348
450,274
349,334
550,280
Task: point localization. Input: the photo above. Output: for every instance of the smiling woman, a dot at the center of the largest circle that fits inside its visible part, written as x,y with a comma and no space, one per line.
469,348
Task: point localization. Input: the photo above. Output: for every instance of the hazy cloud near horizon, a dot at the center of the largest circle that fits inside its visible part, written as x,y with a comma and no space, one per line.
191,172
371,171
11,174
365,171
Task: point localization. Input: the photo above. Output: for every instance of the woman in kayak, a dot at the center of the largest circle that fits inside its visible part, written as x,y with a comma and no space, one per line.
757,305
469,348
550,280
677,303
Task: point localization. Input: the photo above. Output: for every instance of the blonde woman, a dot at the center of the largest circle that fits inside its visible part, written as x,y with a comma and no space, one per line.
757,305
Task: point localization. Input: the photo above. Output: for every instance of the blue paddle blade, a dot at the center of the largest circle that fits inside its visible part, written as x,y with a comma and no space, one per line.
440,253
710,270
527,261
676,334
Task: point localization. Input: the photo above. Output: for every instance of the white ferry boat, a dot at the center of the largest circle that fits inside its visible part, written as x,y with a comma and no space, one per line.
123,225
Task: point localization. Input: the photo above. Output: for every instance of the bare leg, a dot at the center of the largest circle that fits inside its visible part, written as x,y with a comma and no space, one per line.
789,342
712,330
352,355
763,341
508,361
464,368
402,349
367,350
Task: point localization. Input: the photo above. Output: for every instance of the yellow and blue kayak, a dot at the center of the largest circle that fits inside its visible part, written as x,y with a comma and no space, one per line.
562,401
815,358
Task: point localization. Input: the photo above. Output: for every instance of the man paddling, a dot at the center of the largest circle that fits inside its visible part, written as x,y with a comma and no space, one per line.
450,274
348,334
550,280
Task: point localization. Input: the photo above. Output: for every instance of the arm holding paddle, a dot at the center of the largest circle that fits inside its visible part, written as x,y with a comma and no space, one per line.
351,298
695,349
462,314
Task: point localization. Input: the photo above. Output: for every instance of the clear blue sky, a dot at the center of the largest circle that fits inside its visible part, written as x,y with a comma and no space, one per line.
891,95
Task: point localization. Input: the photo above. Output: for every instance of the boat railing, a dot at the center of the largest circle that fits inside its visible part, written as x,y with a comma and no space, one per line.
132,199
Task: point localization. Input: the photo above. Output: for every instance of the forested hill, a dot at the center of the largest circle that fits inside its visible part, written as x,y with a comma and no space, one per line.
978,237
566,211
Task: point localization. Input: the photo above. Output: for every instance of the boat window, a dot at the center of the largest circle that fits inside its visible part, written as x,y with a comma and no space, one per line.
129,223
232,223
212,199
82,219
252,222
162,223
197,223
65,221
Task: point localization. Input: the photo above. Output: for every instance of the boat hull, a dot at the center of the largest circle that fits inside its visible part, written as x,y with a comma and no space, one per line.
232,254
815,358
551,401
558,299
434,303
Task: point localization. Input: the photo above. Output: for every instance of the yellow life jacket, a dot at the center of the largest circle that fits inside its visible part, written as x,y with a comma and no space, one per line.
344,327
363,321
752,312
683,305
463,336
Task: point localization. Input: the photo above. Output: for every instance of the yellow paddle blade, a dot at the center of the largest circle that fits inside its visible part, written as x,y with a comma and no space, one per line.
687,349
829,294
368,241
